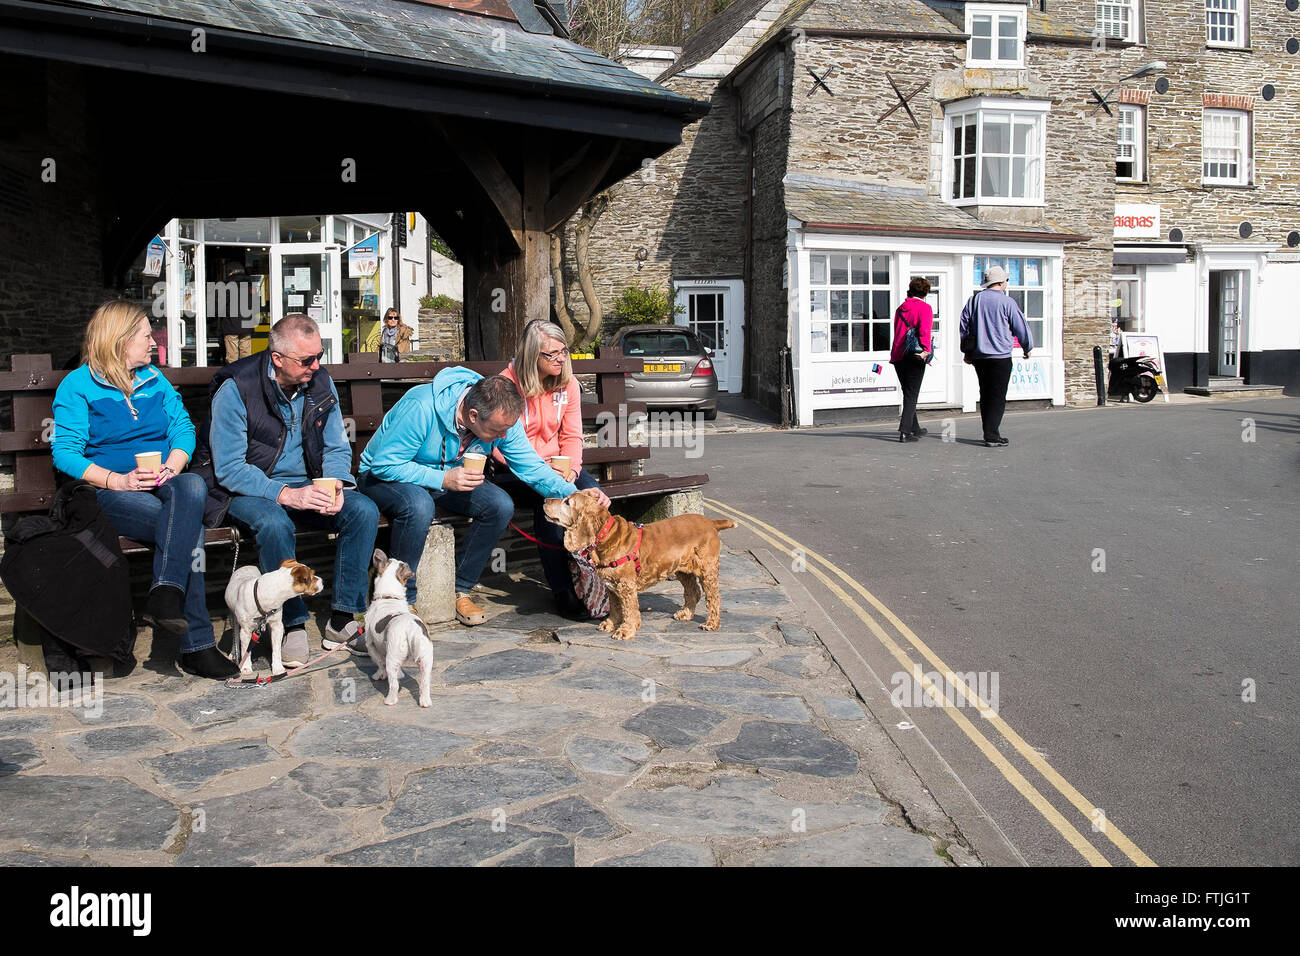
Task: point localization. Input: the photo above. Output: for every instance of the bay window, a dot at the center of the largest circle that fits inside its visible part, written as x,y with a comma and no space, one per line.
995,150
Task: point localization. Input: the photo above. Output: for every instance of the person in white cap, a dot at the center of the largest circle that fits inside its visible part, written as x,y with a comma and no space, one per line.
989,321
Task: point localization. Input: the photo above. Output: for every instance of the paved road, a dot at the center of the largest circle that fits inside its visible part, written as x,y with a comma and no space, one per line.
1127,682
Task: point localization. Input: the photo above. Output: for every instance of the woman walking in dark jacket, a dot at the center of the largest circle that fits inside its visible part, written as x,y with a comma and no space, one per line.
914,313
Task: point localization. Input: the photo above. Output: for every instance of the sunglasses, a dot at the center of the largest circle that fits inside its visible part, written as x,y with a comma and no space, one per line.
309,361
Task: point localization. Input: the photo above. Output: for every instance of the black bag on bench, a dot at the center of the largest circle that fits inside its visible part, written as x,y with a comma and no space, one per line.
58,567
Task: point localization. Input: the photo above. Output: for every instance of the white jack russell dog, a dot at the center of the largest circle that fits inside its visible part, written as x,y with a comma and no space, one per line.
256,600
393,634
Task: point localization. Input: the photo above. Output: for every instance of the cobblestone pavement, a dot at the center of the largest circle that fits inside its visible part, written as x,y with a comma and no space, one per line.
548,744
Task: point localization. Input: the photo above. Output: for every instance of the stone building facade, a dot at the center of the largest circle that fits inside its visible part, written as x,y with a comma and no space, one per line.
807,169
1208,263
838,200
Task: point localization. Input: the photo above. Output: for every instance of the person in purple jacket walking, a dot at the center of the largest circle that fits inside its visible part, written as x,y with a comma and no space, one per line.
988,322
914,313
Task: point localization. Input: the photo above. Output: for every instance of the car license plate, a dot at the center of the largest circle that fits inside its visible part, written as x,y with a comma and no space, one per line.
675,367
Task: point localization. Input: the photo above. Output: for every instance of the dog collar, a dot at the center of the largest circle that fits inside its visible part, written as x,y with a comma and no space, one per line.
634,555
604,532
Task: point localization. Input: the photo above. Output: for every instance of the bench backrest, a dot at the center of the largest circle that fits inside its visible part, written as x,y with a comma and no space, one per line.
361,384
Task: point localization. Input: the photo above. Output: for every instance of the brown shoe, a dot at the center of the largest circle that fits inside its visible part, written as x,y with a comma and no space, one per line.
467,612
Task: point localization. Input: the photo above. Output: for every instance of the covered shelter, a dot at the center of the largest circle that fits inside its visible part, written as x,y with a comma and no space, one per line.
480,114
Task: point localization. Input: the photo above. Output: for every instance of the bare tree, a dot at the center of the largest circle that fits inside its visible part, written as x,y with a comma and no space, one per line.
612,28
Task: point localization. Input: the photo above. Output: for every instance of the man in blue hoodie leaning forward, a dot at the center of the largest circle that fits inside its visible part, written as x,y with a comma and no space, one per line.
417,459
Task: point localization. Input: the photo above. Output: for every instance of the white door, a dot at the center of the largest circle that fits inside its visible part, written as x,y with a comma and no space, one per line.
714,312
935,387
305,278
1229,323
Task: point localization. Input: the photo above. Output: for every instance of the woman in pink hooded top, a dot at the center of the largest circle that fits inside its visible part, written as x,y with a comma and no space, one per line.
914,313
552,420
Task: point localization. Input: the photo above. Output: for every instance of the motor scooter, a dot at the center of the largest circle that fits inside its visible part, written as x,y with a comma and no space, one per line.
1138,376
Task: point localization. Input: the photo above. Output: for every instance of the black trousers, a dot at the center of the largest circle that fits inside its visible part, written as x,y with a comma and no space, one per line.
910,373
994,375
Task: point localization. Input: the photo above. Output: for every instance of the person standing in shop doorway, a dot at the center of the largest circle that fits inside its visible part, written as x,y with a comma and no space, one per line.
989,321
233,302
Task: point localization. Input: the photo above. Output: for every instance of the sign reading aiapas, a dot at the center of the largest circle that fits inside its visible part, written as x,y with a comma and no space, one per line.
1137,222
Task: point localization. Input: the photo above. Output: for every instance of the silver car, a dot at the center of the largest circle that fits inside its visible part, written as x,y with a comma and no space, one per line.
676,371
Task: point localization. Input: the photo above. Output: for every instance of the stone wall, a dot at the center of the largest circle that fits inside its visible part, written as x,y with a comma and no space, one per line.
442,335
839,136
767,296
1175,33
686,209
52,274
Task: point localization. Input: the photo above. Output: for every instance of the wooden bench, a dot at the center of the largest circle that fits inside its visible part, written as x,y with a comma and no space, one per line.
367,389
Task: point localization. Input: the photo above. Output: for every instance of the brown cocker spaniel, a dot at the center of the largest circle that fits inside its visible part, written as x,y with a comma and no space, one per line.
630,558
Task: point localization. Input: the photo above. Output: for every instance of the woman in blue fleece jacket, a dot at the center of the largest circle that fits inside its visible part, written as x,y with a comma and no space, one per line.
115,406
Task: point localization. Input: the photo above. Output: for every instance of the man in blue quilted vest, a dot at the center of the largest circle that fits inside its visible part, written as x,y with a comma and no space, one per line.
275,426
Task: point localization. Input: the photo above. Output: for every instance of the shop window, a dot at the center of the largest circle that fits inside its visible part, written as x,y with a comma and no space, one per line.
1225,148
997,35
1225,23
850,302
1118,19
995,152
237,230
1025,284
302,228
1130,143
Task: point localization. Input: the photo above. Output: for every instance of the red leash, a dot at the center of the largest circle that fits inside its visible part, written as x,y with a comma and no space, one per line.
553,547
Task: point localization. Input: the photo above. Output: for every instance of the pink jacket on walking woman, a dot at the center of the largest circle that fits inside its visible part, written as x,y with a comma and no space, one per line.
913,313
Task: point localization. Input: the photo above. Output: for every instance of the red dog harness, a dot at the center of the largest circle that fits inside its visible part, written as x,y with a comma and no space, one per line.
634,555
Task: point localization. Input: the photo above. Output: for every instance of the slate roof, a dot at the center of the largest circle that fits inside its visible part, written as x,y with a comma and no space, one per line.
713,35
414,31
892,210
893,16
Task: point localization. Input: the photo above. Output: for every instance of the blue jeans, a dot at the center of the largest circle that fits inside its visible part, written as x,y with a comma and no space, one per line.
273,526
555,559
170,517
410,509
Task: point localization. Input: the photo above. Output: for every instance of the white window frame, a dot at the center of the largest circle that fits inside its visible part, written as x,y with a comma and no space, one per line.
1243,147
997,14
1118,20
982,107
1232,15
1137,144
824,322
1021,292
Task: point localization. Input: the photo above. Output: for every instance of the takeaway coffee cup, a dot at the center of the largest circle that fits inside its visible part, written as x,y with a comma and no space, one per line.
561,464
474,461
149,461
327,485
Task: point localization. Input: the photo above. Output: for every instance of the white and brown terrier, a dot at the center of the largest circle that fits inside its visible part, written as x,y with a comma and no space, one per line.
393,634
256,600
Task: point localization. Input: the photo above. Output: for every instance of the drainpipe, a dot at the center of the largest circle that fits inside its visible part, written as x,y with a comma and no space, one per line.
747,268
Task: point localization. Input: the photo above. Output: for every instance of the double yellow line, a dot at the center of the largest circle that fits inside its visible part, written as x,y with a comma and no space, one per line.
787,545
